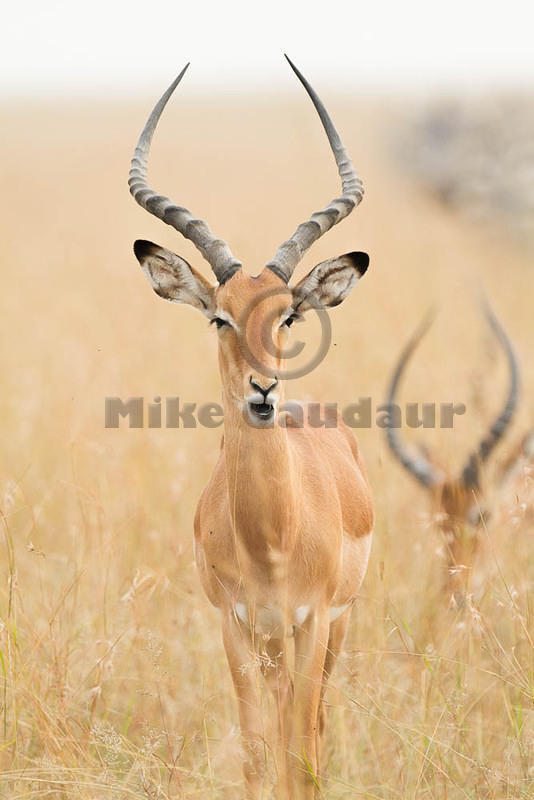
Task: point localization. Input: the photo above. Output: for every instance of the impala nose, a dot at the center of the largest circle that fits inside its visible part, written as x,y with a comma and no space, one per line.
261,406
263,390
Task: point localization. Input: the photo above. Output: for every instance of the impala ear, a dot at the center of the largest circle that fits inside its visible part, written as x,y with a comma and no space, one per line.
173,278
330,282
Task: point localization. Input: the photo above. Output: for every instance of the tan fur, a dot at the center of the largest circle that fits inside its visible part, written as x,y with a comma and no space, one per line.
462,513
283,528
285,522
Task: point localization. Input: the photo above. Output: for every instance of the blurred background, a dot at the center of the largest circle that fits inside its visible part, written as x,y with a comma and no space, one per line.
113,682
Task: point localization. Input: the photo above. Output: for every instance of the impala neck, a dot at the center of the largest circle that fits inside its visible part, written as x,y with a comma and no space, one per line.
261,486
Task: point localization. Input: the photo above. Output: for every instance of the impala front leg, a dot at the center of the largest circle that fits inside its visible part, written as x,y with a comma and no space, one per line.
337,632
278,679
240,652
311,641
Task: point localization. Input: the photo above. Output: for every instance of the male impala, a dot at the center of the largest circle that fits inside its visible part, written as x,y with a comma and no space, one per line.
459,502
283,528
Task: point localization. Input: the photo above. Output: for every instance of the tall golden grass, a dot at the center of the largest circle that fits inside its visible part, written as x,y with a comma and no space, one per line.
113,682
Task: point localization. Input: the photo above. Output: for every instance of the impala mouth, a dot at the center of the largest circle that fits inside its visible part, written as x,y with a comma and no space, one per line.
260,410
263,410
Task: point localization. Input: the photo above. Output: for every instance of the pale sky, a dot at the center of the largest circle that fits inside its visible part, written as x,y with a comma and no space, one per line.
106,47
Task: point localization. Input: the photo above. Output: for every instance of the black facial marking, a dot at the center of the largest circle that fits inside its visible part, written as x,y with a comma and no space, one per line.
220,323
292,318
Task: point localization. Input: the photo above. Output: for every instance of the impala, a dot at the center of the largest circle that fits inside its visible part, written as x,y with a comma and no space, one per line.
283,528
459,502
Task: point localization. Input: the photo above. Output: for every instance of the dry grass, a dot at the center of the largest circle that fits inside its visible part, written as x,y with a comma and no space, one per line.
113,682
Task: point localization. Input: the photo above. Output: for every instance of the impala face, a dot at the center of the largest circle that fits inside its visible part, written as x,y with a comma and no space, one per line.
252,317
458,502
458,506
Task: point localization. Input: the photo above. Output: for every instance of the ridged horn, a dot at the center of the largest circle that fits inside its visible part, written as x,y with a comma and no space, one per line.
215,251
290,252
470,473
417,465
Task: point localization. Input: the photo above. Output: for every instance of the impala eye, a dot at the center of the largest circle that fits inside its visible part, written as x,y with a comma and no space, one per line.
218,322
291,319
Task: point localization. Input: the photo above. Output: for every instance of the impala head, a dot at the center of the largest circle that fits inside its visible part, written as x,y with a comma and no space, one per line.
252,314
457,499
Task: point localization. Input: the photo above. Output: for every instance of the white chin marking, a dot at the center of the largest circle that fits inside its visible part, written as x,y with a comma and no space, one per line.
261,421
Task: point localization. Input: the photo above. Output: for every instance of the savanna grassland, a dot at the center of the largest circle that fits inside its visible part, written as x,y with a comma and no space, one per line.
113,681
